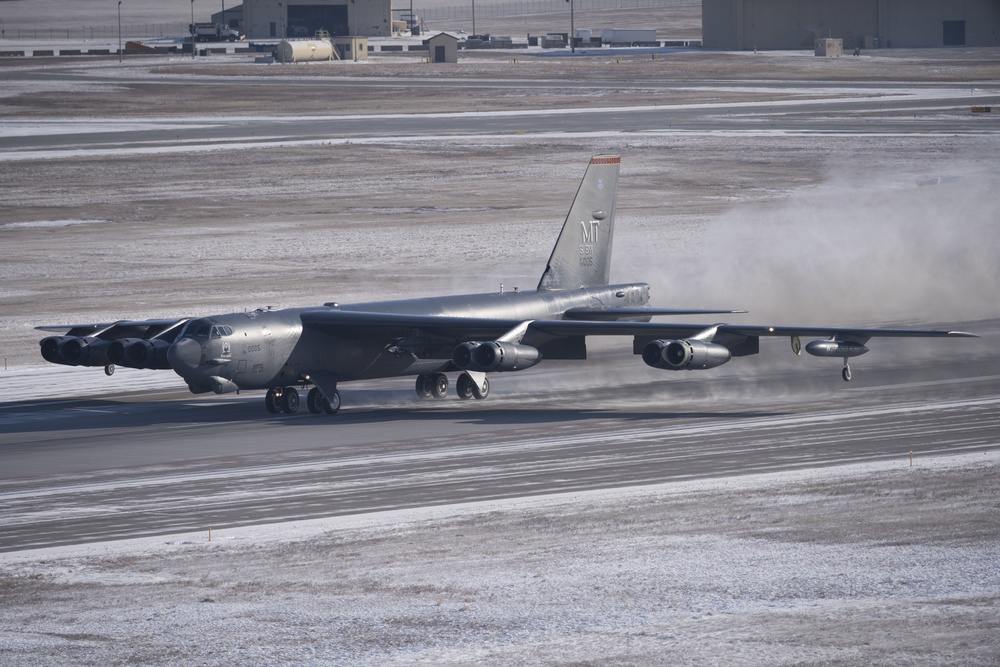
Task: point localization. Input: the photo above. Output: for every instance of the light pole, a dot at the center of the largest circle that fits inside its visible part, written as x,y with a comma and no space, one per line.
192,29
474,18
119,30
572,28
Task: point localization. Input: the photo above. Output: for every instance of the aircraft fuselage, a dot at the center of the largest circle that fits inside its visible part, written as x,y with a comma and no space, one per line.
268,348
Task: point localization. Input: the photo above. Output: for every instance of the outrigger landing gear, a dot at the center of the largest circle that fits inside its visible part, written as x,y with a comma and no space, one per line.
846,373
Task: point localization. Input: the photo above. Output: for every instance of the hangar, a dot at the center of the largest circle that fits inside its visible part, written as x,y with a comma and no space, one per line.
263,19
795,24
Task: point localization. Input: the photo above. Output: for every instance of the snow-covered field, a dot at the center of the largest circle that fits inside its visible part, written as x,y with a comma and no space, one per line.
880,563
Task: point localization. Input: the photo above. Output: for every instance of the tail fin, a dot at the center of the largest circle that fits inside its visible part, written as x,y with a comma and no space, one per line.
582,254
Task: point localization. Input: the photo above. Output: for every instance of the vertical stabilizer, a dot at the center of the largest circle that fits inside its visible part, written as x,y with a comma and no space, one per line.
582,254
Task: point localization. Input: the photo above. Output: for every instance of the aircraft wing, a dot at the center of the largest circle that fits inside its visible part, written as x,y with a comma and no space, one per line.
360,324
346,323
357,324
859,335
114,330
614,314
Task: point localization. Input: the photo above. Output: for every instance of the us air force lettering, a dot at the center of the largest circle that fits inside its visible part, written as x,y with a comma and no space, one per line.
470,336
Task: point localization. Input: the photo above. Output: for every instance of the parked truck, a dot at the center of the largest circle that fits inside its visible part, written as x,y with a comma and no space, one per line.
215,32
619,37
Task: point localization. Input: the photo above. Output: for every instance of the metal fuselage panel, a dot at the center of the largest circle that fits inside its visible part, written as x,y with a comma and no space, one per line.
272,348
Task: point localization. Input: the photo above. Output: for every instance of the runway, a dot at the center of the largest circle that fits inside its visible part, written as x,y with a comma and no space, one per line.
904,113
138,465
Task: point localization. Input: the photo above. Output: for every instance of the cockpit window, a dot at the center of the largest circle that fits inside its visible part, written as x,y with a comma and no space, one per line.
197,329
218,331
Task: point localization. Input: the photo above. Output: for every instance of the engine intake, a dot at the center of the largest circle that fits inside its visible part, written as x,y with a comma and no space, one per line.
679,355
50,349
74,350
495,356
139,353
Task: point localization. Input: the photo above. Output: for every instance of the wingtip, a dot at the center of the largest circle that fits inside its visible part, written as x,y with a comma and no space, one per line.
963,334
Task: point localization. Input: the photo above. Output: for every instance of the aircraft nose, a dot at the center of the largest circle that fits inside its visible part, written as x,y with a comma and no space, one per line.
184,355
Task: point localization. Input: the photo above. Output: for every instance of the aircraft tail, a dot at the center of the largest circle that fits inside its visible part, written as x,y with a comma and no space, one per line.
582,254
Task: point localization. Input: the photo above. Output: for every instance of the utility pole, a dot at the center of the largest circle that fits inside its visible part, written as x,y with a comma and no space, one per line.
572,28
192,29
354,31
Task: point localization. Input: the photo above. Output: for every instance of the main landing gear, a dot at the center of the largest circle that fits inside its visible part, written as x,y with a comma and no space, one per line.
287,400
435,385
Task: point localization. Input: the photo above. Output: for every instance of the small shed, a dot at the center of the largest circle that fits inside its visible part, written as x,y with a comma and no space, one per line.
443,48
351,48
829,47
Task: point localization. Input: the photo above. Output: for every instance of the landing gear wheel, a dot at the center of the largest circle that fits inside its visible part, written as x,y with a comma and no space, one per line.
314,401
290,400
109,370
332,406
425,386
465,386
846,373
481,391
272,400
317,402
439,388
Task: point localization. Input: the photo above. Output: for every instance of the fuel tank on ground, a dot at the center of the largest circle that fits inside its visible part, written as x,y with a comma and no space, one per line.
298,51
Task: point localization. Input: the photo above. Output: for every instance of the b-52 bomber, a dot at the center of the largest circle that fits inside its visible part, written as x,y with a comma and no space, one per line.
320,348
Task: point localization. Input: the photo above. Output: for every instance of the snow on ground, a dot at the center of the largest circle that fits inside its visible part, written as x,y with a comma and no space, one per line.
877,563
32,383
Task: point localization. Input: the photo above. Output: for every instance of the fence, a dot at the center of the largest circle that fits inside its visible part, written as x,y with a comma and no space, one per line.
526,7
129,31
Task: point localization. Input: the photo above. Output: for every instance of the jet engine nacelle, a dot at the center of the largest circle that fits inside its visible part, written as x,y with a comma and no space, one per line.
139,353
679,355
75,351
50,349
835,348
495,356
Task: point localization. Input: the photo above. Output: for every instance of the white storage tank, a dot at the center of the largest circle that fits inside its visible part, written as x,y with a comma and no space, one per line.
303,50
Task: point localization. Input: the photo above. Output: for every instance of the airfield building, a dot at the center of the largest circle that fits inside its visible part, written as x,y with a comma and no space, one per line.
281,19
795,24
